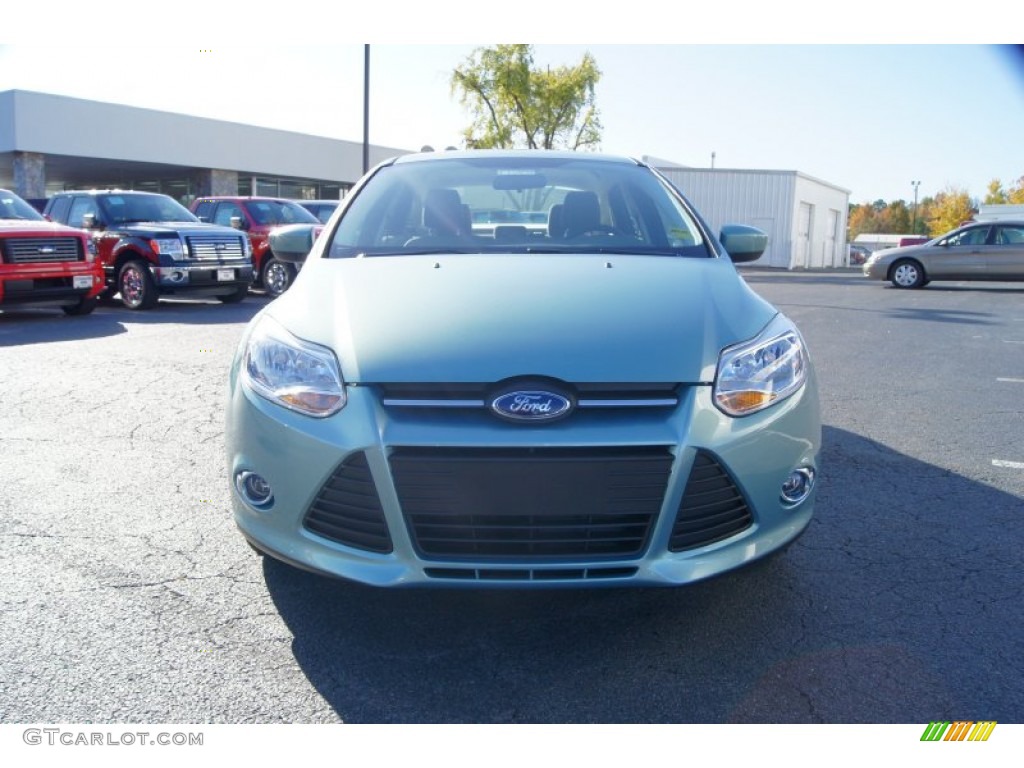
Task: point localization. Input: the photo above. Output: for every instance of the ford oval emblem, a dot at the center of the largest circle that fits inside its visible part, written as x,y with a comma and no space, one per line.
531,405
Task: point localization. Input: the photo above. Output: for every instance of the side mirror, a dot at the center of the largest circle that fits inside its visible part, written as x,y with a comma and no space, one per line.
293,242
743,243
237,222
89,221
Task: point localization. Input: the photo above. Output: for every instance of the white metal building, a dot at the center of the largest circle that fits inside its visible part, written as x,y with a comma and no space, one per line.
805,218
1000,211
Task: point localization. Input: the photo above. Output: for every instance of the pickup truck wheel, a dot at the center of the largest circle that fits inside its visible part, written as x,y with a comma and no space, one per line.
83,307
233,298
138,291
277,277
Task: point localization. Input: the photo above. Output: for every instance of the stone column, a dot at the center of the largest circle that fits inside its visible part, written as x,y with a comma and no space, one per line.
30,175
214,182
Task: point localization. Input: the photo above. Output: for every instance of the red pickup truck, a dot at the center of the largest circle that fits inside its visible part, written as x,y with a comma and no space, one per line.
258,217
44,264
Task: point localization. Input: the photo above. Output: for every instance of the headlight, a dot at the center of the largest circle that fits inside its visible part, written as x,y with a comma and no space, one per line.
296,374
756,374
170,246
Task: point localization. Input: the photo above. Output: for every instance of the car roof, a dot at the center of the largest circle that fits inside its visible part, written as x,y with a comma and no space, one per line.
469,154
108,192
247,197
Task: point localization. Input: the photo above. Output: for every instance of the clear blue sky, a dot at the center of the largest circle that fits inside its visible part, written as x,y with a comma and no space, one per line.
870,118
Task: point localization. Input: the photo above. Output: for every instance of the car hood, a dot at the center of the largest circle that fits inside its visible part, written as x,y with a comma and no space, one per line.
890,254
34,226
150,228
488,318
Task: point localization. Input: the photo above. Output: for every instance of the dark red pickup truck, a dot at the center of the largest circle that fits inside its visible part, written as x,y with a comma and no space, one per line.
44,264
258,217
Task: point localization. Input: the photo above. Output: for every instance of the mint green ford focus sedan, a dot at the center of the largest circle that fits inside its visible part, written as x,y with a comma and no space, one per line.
521,369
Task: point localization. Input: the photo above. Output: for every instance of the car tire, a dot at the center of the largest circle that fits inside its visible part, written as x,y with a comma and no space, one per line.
83,307
277,276
907,273
136,286
235,296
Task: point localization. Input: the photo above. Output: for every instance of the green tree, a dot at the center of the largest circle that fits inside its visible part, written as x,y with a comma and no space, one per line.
515,105
952,207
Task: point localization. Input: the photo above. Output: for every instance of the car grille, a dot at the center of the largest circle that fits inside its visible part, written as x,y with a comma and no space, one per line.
41,250
212,247
477,395
530,574
531,504
712,509
347,509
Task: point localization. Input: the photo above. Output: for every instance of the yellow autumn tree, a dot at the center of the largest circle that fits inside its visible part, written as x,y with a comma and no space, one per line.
951,208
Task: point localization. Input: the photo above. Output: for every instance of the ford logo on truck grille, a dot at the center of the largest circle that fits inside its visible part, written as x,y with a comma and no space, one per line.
532,405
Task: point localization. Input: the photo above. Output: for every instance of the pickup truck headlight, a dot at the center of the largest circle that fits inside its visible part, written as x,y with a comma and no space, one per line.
293,373
168,246
762,372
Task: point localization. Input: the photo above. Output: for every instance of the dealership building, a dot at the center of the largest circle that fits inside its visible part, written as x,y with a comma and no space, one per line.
51,143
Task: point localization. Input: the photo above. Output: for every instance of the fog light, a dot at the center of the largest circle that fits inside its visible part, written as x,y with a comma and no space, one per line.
798,485
254,489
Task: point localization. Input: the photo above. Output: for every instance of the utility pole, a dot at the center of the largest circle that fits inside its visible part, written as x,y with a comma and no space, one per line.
913,226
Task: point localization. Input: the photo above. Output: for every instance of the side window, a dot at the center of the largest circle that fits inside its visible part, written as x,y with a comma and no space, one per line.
59,209
224,213
205,210
80,207
975,236
1010,236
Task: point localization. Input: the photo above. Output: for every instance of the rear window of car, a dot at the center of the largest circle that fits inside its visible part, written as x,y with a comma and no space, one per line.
517,204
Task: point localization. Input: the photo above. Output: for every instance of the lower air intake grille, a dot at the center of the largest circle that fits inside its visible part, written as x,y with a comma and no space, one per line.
712,508
347,509
531,504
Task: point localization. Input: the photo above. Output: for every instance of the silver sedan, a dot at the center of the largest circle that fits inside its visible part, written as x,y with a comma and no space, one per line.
992,250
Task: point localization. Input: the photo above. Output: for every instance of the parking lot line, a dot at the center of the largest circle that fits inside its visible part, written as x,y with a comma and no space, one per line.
1012,381
1008,464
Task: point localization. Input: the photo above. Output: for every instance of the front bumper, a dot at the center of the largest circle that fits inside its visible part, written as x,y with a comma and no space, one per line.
876,270
398,474
191,276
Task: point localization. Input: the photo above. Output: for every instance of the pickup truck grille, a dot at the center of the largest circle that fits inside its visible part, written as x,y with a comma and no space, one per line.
41,250
215,247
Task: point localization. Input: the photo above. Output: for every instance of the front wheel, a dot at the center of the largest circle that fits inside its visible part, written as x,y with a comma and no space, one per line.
236,296
137,287
83,307
277,277
907,274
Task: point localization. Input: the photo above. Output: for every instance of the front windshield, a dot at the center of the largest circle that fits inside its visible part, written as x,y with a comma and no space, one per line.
528,203
13,207
127,208
273,212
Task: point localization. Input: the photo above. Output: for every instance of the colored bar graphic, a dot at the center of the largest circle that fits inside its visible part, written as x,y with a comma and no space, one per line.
982,731
960,730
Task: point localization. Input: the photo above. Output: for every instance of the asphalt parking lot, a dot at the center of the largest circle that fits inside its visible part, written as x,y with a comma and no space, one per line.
129,596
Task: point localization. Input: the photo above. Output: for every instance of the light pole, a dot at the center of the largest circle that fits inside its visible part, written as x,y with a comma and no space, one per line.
913,226
366,108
